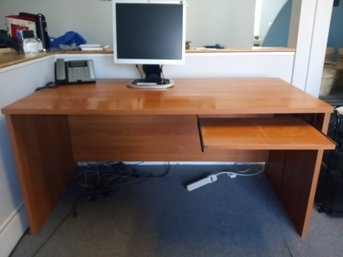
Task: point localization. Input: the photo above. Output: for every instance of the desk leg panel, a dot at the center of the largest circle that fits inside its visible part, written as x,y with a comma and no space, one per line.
44,159
294,177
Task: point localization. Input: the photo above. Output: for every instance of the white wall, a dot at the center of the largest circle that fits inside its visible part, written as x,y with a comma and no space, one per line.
274,64
91,18
269,11
216,21
228,22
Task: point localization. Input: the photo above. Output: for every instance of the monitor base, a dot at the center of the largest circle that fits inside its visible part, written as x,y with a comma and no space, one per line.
142,83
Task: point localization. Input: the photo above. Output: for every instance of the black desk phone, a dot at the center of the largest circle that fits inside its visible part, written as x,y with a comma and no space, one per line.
79,71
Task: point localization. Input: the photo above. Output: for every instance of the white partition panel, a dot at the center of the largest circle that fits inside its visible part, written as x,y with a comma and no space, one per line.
235,64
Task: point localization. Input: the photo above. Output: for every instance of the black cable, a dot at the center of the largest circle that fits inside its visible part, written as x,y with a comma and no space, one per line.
140,72
103,178
47,85
51,234
165,173
162,74
20,240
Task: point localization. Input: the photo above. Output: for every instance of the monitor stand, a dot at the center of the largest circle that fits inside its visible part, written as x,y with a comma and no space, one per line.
153,79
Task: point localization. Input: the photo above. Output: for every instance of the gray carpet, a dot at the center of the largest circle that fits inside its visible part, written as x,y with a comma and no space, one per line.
160,218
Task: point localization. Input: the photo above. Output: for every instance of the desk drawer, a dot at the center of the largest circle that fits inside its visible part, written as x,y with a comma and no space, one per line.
261,133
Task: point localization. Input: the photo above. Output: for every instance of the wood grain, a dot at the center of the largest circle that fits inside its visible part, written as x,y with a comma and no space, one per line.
273,133
295,183
44,162
147,137
222,96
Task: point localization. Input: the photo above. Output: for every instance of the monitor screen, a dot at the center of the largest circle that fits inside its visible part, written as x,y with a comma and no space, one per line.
149,31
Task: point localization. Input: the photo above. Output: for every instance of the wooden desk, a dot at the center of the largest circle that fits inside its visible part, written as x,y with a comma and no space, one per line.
233,119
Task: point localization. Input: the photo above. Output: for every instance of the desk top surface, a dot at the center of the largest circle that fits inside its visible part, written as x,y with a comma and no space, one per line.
188,96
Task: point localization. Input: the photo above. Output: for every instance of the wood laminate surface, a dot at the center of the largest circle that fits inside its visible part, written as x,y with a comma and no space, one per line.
270,133
12,58
189,96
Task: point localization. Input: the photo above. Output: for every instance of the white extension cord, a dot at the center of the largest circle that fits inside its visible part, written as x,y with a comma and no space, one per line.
214,177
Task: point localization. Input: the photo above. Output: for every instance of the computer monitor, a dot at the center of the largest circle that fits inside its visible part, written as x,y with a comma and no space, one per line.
149,33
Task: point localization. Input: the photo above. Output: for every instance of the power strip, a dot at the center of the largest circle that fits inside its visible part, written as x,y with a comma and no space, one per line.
202,182
214,177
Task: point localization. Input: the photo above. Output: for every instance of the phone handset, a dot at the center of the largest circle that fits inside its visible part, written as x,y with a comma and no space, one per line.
60,71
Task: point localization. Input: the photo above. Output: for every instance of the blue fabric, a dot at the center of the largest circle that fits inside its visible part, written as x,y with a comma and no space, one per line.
69,38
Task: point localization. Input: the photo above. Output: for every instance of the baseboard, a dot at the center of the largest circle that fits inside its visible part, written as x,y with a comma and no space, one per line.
182,163
12,229
179,163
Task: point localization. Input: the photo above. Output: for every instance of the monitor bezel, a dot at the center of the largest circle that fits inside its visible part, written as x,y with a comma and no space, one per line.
149,61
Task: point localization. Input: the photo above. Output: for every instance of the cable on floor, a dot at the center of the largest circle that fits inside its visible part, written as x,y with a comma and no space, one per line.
103,178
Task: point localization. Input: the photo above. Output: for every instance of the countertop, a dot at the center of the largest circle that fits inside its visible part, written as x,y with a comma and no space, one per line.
10,57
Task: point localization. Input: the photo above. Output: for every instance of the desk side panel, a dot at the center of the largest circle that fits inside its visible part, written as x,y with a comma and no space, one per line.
294,176
44,161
